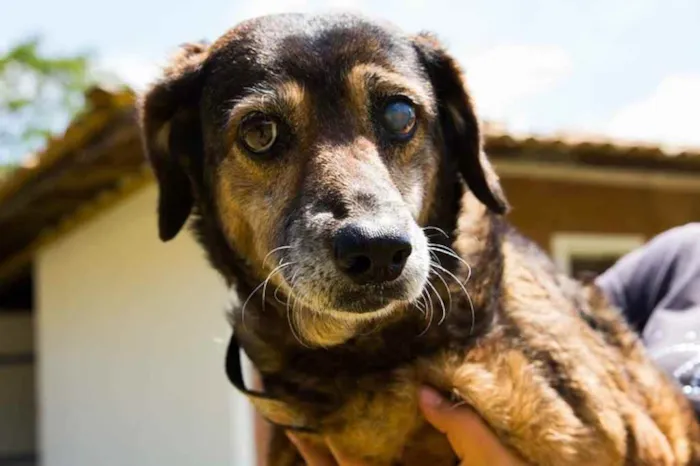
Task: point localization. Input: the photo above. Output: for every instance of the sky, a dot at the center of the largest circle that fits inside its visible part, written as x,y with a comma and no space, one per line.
627,69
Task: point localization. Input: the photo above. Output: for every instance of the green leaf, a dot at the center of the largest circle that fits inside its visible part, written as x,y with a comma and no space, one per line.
39,93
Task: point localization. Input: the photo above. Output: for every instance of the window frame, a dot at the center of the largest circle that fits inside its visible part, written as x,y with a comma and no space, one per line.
565,246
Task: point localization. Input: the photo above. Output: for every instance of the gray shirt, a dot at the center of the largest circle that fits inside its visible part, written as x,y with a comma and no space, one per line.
658,289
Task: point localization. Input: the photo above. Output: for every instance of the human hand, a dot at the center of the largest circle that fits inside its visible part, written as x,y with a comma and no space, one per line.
471,439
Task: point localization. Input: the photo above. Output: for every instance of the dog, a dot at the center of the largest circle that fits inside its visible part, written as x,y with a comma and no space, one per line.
332,168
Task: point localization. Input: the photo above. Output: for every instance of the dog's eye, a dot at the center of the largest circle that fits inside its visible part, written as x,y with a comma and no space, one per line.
400,118
258,133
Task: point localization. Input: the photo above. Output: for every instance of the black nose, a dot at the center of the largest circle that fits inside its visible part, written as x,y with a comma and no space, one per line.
371,257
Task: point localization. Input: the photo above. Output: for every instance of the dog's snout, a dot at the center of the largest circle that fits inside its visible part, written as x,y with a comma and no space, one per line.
371,257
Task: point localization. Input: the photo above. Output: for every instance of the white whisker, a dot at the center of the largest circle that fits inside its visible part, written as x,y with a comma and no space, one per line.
434,256
292,328
430,302
431,310
450,252
292,282
272,252
262,285
442,303
274,271
447,288
277,298
439,230
248,299
291,312
420,306
466,293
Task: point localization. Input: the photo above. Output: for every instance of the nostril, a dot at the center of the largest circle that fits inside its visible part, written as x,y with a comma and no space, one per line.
349,257
358,265
400,256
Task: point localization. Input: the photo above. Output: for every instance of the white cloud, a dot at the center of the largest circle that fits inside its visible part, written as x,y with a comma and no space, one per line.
669,116
259,8
132,70
501,77
343,4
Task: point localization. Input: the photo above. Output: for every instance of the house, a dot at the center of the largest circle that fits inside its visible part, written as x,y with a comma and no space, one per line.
112,343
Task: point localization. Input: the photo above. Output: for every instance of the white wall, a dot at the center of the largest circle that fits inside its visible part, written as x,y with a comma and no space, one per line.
17,389
131,344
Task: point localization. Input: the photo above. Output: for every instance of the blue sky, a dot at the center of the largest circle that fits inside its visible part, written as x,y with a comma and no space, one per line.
620,68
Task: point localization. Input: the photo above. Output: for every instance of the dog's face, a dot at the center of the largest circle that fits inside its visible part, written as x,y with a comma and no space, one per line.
316,141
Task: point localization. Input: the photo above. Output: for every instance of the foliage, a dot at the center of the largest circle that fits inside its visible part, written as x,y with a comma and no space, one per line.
39,94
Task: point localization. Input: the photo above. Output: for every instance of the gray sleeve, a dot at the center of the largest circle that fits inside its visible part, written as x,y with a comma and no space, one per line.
663,272
657,287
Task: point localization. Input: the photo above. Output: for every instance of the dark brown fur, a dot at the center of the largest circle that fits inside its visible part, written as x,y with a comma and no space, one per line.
545,360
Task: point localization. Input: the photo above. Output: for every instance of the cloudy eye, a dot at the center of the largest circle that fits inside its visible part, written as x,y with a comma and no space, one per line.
400,118
258,133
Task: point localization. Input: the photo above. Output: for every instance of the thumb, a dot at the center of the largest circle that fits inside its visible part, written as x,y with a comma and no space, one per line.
467,433
444,415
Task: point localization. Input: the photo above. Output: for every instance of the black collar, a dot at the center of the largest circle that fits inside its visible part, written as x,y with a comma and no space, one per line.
277,412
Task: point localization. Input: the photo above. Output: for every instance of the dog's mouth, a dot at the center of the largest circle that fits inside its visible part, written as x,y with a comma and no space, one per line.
357,301
358,285
373,298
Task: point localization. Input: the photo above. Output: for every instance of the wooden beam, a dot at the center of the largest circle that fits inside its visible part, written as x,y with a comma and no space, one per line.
95,180
53,205
609,176
38,212
50,179
97,175
74,138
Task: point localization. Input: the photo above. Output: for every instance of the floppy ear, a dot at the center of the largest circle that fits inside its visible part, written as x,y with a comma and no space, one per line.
171,133
460,126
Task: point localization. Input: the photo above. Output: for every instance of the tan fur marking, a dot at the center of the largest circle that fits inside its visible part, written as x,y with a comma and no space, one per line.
371,77
288,100
240,206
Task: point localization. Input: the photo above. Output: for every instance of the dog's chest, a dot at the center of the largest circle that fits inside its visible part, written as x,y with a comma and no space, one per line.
383,426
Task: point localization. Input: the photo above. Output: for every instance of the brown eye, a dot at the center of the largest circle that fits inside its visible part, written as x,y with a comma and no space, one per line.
400,118
258,133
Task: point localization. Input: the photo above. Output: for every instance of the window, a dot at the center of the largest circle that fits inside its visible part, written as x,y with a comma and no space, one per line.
586,255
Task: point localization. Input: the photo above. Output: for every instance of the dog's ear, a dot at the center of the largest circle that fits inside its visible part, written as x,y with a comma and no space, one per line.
460,126
172,137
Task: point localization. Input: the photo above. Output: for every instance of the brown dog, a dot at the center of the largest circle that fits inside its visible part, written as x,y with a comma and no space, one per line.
335,172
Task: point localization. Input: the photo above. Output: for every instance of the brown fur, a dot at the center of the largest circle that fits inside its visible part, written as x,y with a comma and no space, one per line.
545,360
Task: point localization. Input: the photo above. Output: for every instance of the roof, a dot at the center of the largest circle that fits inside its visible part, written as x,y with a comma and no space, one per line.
99,159
592,152
97,156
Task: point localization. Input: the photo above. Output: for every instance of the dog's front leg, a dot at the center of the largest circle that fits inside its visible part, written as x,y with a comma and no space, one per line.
522,408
